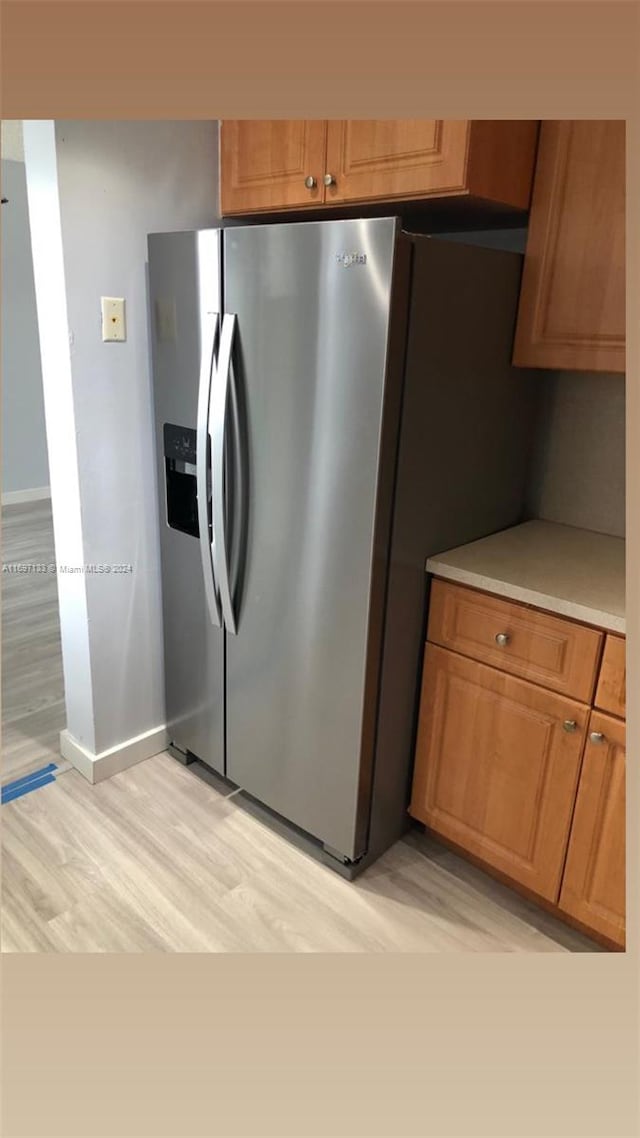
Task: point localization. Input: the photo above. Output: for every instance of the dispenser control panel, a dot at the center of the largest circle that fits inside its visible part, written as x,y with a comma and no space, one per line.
180,443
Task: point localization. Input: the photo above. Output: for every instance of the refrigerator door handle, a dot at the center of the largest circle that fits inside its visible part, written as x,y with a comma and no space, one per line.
220,399
203,449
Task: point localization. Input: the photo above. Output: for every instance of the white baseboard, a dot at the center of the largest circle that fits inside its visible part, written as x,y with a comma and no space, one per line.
13,497
95,768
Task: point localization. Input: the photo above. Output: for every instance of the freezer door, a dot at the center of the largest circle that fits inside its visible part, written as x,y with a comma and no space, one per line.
312,308
184,290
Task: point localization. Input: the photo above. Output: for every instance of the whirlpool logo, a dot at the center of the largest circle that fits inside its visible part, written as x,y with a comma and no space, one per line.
348,259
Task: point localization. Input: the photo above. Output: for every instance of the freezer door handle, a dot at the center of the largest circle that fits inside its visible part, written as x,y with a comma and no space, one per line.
220,401
203,451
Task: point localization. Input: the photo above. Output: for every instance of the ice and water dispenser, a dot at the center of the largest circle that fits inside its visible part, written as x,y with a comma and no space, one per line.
181,482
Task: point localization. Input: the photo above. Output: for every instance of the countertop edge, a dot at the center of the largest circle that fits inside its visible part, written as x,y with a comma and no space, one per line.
559,605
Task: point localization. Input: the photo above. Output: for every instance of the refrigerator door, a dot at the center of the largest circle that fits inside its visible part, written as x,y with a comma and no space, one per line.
312,307
185,303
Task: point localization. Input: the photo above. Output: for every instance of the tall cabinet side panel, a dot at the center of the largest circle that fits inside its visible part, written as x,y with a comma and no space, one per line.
466,437
184,290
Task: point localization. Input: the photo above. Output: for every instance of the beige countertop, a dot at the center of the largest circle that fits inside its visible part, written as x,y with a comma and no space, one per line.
570,571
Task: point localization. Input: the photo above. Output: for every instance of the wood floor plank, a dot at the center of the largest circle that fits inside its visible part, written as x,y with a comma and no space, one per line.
156,860
33,711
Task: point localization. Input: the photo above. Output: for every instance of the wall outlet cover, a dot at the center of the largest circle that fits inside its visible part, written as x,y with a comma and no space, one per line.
113,318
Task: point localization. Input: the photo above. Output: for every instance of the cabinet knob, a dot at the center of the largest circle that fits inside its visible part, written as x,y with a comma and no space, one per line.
310,182
569,725
596,737
329,180
502,638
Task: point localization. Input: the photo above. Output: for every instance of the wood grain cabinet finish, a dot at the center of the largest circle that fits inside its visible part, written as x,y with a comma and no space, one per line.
390,159
264,164
572,301
612,680
496,770
526,642
593,887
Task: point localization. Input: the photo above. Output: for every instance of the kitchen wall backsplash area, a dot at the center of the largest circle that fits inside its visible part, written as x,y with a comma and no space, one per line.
577,470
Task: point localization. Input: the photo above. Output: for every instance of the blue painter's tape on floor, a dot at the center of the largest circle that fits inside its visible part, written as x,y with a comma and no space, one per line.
23,786
30,777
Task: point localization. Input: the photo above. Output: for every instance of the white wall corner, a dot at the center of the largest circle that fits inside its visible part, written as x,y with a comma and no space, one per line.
43,198
95,768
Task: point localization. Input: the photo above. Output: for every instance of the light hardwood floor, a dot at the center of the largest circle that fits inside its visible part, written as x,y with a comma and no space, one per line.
155,860
33,711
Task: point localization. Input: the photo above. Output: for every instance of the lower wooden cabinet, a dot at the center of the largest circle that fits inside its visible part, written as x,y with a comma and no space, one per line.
612,683
497,766
528,781
593,886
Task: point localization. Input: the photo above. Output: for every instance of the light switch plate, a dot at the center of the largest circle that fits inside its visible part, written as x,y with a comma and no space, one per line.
113,321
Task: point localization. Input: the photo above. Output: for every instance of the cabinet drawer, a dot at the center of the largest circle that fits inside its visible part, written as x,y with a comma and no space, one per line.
610,695
525,642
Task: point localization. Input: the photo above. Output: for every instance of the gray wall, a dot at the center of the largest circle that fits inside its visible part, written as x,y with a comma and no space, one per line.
577,474
116,182
577,471
24,444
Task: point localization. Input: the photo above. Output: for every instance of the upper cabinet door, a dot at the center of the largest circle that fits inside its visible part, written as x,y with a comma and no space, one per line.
271,164
593,887
572,301
391,159
394,158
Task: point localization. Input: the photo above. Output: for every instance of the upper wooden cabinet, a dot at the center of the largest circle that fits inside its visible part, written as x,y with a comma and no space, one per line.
265,164
572,301
276,165
379,159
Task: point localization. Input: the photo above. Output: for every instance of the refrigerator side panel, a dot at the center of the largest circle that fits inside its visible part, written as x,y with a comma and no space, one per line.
184,291
466,434
312,304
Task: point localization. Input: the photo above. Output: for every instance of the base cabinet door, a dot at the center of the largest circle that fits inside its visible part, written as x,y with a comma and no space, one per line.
593,886
611,694
497,765
271,164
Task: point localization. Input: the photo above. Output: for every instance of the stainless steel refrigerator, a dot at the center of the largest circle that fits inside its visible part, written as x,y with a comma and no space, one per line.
334,402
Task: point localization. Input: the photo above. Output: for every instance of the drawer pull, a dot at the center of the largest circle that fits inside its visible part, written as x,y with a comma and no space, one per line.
502,639
310,182
569,725
596,737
